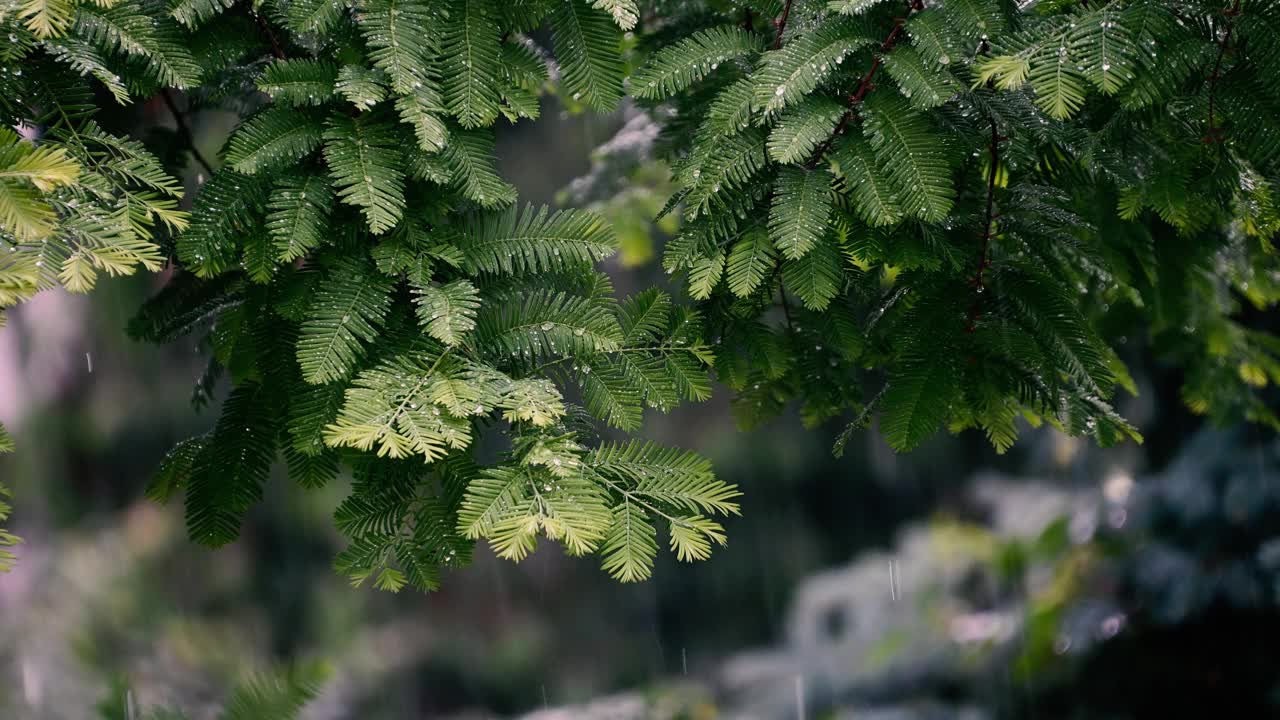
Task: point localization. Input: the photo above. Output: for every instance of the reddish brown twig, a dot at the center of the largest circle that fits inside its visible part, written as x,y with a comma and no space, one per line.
867,84
782,25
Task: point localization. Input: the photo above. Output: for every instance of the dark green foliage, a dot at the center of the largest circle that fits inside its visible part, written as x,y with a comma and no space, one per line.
962,194
227,474
276,137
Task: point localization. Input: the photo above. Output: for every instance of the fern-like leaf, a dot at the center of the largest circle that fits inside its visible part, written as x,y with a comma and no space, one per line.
625,13
801,209
547,323
674,68
916,402
393,408
401,41
350,306
313,16
469,155
913,156
587,45
512,242
750,262
228,474
803,128
298,215
631,545
366,167
874,198
790,73
299,81
471,66
274,138
851,7
448,311
280,694
815,278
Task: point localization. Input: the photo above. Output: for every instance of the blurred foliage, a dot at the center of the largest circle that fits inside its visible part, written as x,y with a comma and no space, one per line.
1161,609
7,539
278,694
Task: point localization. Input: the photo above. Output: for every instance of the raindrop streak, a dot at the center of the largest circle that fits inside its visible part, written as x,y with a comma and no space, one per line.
545,704
893,580
684,661
799,697
32,690
89,361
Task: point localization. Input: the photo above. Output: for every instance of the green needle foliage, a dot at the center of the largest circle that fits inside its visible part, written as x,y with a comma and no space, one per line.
941,213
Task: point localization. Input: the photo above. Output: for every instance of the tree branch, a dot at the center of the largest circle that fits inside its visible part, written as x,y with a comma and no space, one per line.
782,25
184,130
867,84
1213,134
776,276
265,27
988,230
786,307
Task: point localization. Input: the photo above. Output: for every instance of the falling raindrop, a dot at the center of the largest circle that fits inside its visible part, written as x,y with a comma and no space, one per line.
800,697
